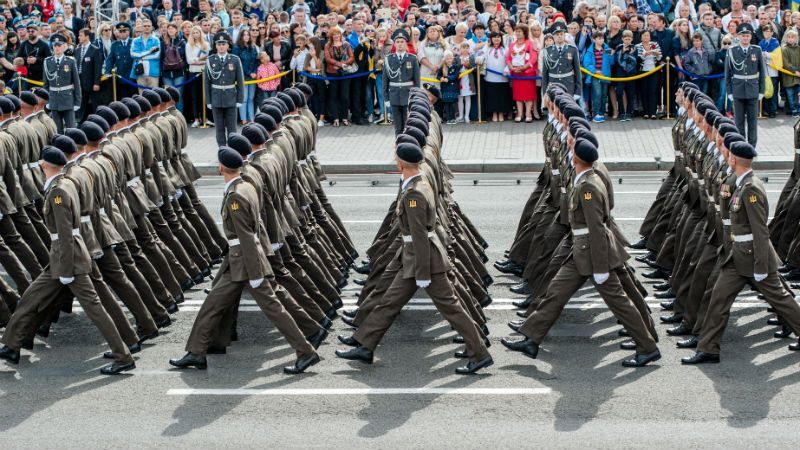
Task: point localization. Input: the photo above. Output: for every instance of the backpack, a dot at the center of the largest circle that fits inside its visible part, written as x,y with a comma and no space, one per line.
172,59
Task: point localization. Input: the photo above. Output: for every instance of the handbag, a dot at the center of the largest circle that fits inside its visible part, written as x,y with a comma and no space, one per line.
348,69
138,69
172,59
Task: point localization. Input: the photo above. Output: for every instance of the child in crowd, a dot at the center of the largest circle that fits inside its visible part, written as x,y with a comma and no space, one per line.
448,75
466,83
768,44
598,59
267,68
625,65
699,61
791,62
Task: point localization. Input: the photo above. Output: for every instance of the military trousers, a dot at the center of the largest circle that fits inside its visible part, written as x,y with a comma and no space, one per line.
224,123
729,284
370,333
745,114
63,119
226,293
566,282
399,113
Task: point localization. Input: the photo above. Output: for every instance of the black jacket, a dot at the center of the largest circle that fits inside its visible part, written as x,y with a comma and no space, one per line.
90,66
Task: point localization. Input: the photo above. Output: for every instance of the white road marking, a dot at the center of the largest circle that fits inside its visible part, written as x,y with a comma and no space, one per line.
362,391
218,197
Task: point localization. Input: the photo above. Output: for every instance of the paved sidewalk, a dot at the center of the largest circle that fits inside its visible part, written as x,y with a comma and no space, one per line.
511,147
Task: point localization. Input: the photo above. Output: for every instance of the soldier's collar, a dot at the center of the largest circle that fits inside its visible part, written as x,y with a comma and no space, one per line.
740,178
230,184
49,182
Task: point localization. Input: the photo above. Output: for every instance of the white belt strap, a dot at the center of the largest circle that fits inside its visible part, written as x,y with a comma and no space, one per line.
562,75
60,89
401,84
75,232
702,182
148,172
233,242
580,231
743,238
678,154
223,87
102,211
33,165
726,222
797,150
555,172
409,239
746,77
694,175
86,219
134,181
717,208
302,162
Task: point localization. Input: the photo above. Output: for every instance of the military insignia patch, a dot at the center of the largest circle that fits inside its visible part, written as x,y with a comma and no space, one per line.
234,206
230,66
753,199
412,203
587,196
66,68
57,200
753,57
408,65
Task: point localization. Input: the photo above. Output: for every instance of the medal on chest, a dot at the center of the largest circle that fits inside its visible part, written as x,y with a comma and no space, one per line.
408,65
753,57
230,67
569,56
66,68
736,204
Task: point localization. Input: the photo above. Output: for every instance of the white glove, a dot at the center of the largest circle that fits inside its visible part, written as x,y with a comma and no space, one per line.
238,105
208,106
276,247
760,97
75,108
600,278
759,276
1,216
576,96
256,283
730,97
66,280
178,192
423,283
47,106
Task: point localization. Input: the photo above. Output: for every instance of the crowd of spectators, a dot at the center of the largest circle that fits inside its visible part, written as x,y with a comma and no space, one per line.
485,55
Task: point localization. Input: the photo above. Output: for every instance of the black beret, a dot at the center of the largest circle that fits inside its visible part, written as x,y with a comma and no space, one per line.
76,135
174,93
297,97
6,107
730,138
92,131
255,133
743,149
585,151
405,138
573,110
273,112
424,110
163,94
287,100
305,89
41,93
151,97
727,128
434,91
419,116
229,158
410,153
417,134
690,94
134,110
578,122
239,143
15,100
275,103
689,85
144,104
555,88
101,122
585,134
53,156
120,110
266,121
702,106
711,115
65,144
416,123
108,114
28,97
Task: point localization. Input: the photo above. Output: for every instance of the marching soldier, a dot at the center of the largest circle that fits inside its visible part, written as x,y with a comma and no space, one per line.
245,264
62,81
224,87
562,64
69,268
400,74
745,72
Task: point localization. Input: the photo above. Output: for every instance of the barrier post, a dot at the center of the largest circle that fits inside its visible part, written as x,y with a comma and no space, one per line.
666,88
480,110
19,86
761,108
203,106
114,83
294,77
385,115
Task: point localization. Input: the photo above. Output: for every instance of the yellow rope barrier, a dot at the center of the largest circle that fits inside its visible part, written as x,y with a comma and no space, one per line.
460,76
33,82
622,79
782,70
264,80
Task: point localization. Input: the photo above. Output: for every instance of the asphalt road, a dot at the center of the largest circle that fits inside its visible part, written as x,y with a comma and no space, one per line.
575,395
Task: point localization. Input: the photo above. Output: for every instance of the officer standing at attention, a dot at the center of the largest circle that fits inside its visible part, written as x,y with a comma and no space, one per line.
69,268
62,81
400,74
744,77
224,87
245,265
119,58
562,63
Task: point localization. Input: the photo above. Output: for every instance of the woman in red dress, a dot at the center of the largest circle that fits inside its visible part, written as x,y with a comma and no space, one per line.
522,60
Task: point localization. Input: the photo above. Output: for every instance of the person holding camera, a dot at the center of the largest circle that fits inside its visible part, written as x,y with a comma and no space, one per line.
146,54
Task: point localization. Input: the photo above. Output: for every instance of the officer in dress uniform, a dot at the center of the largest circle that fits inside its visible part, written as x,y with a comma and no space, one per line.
400,74
61,79
744,77
119,58
562,63
224,87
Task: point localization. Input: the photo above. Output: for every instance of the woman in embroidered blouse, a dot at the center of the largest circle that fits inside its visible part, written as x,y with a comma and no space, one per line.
522,60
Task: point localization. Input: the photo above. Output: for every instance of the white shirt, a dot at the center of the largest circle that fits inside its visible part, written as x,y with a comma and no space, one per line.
50,180
408,180
228,185
741,177
579,175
